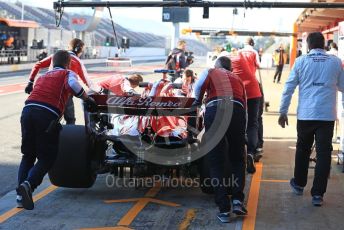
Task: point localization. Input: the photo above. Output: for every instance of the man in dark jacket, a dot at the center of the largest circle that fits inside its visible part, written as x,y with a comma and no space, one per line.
178,61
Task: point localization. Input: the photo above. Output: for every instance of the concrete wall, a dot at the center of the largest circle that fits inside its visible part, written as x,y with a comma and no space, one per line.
105,51
135,53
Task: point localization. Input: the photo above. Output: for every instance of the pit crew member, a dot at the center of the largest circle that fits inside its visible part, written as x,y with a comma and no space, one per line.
225,91
40,124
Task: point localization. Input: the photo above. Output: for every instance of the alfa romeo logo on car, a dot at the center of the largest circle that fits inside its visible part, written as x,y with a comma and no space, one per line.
147,102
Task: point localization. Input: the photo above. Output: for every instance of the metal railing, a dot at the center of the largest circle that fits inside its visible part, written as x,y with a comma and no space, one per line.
13,56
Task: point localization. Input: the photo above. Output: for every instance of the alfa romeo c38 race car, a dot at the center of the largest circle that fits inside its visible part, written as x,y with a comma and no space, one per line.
136,136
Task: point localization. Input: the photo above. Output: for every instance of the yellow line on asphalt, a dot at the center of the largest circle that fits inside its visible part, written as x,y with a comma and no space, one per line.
167,203
133,212
189,216
275,181
121,201
140,204
153,191
15,211
252,203
129,217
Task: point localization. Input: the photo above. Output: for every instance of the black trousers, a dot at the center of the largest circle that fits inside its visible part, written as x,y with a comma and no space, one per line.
322,133
227,160
278,73
252,124
37,144
69,114
260,120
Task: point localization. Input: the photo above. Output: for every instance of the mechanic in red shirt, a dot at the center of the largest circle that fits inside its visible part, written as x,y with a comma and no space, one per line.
40,124
225,123
245,64
76,47
120,85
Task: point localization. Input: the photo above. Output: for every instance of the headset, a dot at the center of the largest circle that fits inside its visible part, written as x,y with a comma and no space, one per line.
77,49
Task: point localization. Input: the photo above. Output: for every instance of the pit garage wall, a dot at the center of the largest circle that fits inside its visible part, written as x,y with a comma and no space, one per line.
53,39
133,52
58,39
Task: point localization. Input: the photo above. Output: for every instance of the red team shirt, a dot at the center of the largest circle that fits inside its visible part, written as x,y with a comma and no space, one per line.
76,66
244,65
53,89
217,83
118,85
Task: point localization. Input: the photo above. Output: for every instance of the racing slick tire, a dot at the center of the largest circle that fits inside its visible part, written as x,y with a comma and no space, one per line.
72,168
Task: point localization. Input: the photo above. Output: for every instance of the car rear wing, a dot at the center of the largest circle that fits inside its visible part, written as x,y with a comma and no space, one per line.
145,106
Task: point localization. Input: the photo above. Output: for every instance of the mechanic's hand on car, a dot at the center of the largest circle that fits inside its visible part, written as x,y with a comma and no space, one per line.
29,87
90,104
283,120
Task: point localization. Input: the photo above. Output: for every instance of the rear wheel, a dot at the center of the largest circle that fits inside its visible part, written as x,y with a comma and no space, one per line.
72,168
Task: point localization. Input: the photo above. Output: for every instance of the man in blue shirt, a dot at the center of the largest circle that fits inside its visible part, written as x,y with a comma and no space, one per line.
319,76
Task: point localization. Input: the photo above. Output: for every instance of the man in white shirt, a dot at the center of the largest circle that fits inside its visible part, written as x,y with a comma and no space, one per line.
319,77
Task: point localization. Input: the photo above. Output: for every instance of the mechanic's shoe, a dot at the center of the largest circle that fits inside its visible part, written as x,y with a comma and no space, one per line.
24,190
19,201
251,168
239,208
224,217
317,201
259,151
298,190
257,157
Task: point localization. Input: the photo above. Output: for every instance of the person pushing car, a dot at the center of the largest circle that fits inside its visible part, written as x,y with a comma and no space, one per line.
40,125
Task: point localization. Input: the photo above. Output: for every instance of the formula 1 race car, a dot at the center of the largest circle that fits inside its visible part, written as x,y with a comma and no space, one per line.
136,135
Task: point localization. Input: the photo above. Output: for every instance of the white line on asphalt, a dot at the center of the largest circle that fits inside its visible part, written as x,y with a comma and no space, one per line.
14,92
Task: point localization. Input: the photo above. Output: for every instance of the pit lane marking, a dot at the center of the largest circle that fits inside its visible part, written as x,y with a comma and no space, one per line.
189,217
275,181
37,197
249,221
141,203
